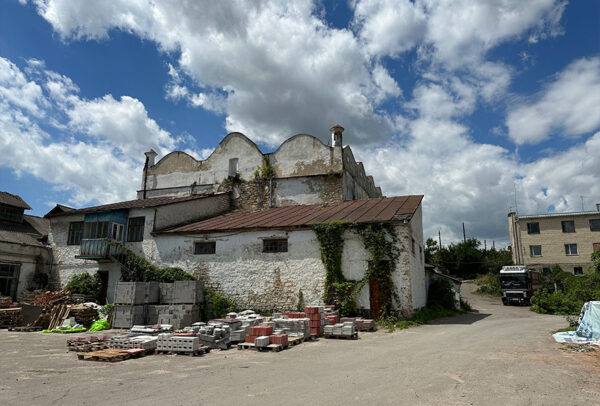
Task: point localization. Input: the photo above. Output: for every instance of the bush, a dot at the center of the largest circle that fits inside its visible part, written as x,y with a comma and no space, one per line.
168,275
488,285
440,295
217,306
85,284
572,292
300,304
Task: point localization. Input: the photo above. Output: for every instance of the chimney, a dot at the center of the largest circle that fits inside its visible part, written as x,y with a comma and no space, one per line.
336,135
150,155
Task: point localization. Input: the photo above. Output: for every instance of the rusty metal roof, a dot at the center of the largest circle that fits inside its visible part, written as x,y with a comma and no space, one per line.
9,199
130,204
383,209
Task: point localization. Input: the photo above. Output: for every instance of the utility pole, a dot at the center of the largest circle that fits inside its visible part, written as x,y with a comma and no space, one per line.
493,244
464,233
440,237
485,245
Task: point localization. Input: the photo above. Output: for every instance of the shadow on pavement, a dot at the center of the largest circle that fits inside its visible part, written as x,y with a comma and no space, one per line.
468,318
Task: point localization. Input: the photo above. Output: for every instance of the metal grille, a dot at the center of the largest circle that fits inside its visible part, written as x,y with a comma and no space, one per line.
275,245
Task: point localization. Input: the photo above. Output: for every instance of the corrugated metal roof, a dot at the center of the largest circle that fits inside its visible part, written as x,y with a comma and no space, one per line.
9,199
382,209
130,204
575,213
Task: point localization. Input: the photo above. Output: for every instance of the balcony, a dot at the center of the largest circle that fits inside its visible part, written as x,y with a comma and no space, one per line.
94,248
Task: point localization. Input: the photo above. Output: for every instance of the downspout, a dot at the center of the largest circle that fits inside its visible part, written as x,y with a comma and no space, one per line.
145,176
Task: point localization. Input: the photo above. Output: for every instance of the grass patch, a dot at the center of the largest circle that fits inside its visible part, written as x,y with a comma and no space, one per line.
563,330
423,316
488,285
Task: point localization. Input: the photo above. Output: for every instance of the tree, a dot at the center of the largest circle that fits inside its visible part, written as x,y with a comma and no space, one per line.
431,248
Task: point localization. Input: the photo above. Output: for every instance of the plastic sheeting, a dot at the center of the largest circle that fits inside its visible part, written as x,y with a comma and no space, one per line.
588,330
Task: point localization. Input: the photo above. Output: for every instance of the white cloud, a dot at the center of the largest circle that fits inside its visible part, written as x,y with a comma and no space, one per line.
106,167
568,106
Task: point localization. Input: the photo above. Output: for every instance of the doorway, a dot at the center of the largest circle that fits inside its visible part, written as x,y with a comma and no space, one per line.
9,279
103,276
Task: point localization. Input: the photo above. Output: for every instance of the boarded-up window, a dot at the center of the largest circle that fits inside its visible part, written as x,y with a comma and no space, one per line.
205,247
275,245
75,233
135,229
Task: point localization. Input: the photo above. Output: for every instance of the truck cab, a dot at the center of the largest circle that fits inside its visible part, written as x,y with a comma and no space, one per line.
518,283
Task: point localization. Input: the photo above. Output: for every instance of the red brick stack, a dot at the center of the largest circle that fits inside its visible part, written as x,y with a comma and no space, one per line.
334,319
281,339
294,315
312,312
257,331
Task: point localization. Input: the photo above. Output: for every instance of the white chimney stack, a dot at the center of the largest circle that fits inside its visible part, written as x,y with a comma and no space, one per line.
151,155
336,135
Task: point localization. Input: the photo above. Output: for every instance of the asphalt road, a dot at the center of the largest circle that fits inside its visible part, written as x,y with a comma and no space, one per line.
499,356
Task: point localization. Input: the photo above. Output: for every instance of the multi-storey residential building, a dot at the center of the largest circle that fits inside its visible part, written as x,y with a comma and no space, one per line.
565,239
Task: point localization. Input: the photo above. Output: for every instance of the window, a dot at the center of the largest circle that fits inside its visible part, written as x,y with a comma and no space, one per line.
135,229
117,232
595,225
13,214
275,245
568,226
535,250
533,228
75,233
578,270
95,229
571,249
205,247
9,278
234,167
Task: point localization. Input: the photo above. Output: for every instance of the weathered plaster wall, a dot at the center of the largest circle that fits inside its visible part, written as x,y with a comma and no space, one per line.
417,261
357,185
308,190
176,191
30,259
185,212
305,155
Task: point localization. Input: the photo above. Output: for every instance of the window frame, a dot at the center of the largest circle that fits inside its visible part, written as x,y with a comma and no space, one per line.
71,235
564,222
596,227
569,251
281,245
575,272
135,232
212,244
532,248
529,229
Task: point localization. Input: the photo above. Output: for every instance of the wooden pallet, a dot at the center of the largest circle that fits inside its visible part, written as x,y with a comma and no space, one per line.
270,347
343,337
25,329
295,340
104,355
199,351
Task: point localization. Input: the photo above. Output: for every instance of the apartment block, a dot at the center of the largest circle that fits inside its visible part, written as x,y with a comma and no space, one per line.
565,239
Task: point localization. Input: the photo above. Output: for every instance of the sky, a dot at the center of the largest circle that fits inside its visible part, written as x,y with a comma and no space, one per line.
484,107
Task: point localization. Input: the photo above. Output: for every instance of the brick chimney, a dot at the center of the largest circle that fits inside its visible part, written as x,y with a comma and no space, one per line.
336,135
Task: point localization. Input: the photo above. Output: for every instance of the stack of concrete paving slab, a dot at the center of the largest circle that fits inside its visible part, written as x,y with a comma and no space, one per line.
215,335
293,327
178,303
359,323
126,342
151,329
317,319
171,342
340,329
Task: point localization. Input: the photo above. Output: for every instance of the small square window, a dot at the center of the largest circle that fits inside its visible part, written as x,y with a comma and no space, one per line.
275,245
568,226
595,225
571,249
205,247
533,228
535,250
578,270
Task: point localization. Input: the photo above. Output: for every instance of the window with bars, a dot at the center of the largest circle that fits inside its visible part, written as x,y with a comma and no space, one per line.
135,229
75,233
275,245
205,247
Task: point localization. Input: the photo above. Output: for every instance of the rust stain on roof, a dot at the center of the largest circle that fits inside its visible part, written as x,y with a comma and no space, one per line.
381,209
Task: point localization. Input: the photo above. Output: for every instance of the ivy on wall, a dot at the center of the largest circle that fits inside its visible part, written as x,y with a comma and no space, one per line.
382,242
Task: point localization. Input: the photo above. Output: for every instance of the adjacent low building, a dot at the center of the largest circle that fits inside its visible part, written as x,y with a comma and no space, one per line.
25,257
565,239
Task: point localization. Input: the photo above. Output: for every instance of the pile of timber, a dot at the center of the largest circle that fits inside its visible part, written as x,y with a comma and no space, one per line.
58,316
5,302
10,317
85,315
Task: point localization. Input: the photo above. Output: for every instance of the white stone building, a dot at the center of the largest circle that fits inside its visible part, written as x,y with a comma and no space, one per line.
247,233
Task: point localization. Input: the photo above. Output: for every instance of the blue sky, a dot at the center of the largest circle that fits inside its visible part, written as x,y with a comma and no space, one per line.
464,103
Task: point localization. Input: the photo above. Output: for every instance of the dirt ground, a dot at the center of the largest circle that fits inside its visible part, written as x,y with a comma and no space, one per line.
499,356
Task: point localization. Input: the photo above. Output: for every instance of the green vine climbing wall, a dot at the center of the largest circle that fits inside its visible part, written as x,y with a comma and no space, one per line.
382,242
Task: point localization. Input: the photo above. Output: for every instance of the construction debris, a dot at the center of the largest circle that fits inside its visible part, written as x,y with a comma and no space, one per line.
87,344
10,317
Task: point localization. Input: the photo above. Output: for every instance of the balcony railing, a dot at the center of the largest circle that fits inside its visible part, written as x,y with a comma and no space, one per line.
94,248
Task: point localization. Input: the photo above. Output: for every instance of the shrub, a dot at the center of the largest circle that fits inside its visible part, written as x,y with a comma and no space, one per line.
217,306
168,275
300,304
488,284
85,284
440,295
